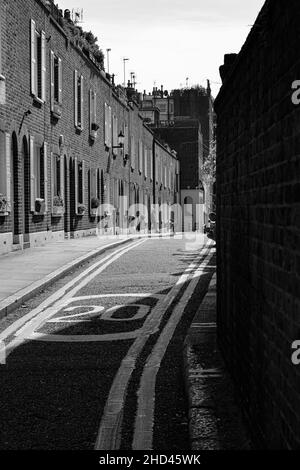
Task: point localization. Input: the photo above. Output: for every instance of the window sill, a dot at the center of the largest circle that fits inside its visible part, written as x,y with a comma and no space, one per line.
40,214
56,111
38,100
4,214
93,135
2,78
93,212
57,215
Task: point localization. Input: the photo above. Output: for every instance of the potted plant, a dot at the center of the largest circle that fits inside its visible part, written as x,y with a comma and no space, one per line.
4,206
95,203
40,206
56,111
57,206
81,209
93,131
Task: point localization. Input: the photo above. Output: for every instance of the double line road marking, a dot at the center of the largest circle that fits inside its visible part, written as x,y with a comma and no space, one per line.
109,434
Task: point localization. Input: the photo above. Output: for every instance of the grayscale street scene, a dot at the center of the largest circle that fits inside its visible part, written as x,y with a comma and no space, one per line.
149,228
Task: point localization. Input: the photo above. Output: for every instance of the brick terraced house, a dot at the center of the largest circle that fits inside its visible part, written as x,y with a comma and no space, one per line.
62,120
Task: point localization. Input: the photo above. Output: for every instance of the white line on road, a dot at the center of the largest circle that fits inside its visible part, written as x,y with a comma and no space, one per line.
46,309
143,431
110,426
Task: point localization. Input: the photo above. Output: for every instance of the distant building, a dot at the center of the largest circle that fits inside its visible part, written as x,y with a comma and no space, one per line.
159,101
185,119
185,136
198,103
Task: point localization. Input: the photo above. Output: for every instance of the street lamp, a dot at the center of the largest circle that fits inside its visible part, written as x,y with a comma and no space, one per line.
121,140
107,55
124,65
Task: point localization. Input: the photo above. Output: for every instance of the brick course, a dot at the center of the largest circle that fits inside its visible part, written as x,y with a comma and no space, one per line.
258,174
16,66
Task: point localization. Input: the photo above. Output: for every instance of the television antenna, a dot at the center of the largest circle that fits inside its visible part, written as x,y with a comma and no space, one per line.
77,15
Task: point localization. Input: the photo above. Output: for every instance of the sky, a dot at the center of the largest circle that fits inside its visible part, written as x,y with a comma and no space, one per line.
167,41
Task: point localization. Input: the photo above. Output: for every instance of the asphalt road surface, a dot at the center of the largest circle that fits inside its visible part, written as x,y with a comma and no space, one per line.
95,361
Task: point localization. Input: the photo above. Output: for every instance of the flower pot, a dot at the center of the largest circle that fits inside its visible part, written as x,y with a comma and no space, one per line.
56,111
81,210
93,212
40,206
58,211
93,134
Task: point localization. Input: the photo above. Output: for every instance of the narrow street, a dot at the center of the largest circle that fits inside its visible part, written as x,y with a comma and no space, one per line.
95,361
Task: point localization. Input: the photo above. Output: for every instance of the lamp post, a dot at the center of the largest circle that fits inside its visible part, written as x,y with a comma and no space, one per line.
124,65
107,56
121,140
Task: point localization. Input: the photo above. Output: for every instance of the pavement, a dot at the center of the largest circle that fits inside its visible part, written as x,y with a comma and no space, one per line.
215,419
23,273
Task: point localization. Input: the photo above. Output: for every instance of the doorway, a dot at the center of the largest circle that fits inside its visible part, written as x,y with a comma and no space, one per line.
26,193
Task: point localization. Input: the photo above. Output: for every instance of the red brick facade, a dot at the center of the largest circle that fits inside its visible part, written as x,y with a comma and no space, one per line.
47,141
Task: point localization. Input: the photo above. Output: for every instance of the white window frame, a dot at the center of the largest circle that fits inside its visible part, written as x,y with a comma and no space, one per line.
38,178
115,133
151,164
5,169
93,114
126,140
107,126
54,167
56,84
2,78
140,157
132,151
77,183
78,100
146,162
38,66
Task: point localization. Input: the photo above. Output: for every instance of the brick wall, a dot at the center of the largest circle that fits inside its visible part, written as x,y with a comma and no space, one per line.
258,200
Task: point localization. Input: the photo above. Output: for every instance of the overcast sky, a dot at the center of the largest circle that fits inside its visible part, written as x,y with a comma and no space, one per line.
168,41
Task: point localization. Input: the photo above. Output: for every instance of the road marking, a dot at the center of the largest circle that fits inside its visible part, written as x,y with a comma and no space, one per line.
96,311
110,426
39,315
84,338
143,431
10,330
